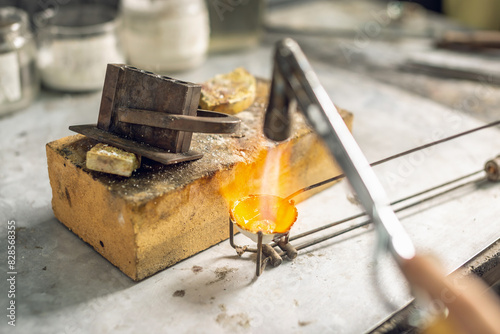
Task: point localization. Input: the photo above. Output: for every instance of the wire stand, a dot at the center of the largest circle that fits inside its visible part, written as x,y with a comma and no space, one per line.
265,252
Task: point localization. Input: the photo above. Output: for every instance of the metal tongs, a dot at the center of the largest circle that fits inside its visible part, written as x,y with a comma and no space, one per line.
294,80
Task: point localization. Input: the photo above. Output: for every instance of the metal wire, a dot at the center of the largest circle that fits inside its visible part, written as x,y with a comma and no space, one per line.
324,227
366,222
415,149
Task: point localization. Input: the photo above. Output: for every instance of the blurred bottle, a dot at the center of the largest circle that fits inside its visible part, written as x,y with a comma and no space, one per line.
480,14
235,24
165,35
19,80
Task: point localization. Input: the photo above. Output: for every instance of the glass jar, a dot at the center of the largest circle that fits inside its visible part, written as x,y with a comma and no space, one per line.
235,24
76,44
165,35
19,81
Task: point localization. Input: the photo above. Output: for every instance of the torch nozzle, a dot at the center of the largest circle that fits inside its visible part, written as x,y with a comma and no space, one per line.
277,122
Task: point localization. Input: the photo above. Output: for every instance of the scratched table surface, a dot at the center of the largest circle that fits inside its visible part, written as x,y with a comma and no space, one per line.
64,286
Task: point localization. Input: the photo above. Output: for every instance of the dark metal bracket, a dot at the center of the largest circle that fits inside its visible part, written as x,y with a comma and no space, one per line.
153,115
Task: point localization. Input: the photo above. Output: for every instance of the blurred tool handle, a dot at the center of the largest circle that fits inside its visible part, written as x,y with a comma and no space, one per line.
470,40
471,307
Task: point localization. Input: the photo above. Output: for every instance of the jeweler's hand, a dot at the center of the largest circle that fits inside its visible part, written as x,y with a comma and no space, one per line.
472,309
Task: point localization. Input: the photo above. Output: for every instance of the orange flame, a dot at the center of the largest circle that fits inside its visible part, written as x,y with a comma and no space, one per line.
269,173
269,214
255,191
275,163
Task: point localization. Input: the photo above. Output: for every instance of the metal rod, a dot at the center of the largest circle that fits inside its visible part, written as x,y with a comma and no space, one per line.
259,268
324,227
364,223
239,249
231,234
437,187
415,149
316,185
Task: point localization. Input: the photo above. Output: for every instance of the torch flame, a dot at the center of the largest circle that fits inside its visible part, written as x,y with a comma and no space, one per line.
270,177
266,213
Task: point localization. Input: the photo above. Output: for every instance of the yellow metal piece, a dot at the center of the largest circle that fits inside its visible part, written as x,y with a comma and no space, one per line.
112,160
229,93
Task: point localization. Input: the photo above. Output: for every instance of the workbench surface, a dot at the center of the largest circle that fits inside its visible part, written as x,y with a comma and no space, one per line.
64,286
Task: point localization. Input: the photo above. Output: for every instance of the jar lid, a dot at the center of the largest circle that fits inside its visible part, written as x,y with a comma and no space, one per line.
13,20
81,19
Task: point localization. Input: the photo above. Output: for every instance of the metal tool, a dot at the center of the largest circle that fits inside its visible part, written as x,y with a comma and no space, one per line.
153,115
294,80
450,72
469,40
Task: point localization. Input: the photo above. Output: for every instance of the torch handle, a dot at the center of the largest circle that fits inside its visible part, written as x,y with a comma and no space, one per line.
471,307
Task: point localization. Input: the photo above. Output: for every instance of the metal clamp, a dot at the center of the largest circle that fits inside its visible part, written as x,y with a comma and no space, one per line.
153,115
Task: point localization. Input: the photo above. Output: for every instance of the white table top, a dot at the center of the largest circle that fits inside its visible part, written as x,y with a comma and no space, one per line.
64,286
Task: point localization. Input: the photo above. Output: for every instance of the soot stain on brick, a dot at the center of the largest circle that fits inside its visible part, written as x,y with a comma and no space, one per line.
68,197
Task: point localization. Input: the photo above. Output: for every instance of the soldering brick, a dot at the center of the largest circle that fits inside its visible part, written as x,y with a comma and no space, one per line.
164,214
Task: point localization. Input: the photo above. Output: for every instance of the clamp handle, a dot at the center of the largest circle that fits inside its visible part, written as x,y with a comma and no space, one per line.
205,122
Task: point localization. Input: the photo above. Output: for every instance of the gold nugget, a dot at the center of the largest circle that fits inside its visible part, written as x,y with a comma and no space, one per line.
229,93
112,160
